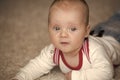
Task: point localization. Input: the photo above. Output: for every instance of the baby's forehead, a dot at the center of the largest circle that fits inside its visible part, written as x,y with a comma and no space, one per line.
77,7
68,5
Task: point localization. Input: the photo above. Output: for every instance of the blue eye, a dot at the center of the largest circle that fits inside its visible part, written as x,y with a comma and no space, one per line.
73,29
56,28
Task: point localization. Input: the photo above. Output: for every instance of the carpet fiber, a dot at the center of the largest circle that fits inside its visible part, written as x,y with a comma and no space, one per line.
23,32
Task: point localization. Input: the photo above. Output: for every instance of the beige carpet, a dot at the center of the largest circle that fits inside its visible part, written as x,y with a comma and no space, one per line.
23,31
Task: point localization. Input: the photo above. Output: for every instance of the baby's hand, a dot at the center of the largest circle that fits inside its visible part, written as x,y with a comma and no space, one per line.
68,76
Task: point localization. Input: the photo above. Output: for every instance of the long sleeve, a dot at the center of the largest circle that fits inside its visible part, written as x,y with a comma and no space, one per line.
42,64
101,67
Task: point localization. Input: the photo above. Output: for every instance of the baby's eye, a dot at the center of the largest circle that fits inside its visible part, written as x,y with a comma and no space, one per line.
73,29
56,28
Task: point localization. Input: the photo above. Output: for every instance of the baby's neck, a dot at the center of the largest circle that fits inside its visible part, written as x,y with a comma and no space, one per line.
72,58
71,54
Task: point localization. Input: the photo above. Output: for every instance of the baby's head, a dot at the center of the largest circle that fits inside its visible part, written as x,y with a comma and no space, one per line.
78,6
68,24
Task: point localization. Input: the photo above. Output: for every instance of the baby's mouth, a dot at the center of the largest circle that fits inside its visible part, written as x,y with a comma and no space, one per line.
64,43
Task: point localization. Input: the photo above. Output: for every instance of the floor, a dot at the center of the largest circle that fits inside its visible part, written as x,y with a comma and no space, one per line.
23,31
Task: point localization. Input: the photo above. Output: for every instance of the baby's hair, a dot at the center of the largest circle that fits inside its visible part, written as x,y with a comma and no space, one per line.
84,3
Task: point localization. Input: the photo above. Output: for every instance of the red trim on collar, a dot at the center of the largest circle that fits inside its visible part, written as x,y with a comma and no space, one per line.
84,49
80,61
56,56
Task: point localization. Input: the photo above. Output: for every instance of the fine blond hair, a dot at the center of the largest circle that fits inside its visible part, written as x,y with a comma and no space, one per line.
70,4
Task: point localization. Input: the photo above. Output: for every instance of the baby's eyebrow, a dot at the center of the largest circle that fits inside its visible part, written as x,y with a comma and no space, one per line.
55,25
73,25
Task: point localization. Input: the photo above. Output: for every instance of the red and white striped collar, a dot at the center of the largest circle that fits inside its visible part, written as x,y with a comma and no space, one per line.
84,49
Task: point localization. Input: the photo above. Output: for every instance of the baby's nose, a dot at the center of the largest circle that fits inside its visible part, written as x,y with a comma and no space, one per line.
64,34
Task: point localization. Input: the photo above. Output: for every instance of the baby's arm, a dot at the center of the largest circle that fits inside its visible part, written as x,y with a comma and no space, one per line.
38,66
101,67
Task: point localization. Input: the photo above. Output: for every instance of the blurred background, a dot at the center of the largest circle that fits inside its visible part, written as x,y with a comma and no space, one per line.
24,32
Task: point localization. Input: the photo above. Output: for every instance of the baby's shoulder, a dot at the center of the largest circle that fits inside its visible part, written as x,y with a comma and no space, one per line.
49,47
96,46
94,42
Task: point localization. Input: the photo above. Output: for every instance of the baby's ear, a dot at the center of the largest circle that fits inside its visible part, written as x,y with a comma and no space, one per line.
88,30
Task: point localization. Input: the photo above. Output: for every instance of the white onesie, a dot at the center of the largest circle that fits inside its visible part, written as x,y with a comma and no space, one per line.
96,61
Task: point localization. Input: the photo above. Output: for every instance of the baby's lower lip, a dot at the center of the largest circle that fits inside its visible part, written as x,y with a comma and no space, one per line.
64,43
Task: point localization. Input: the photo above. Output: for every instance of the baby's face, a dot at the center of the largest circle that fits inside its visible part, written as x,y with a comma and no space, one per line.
67,30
